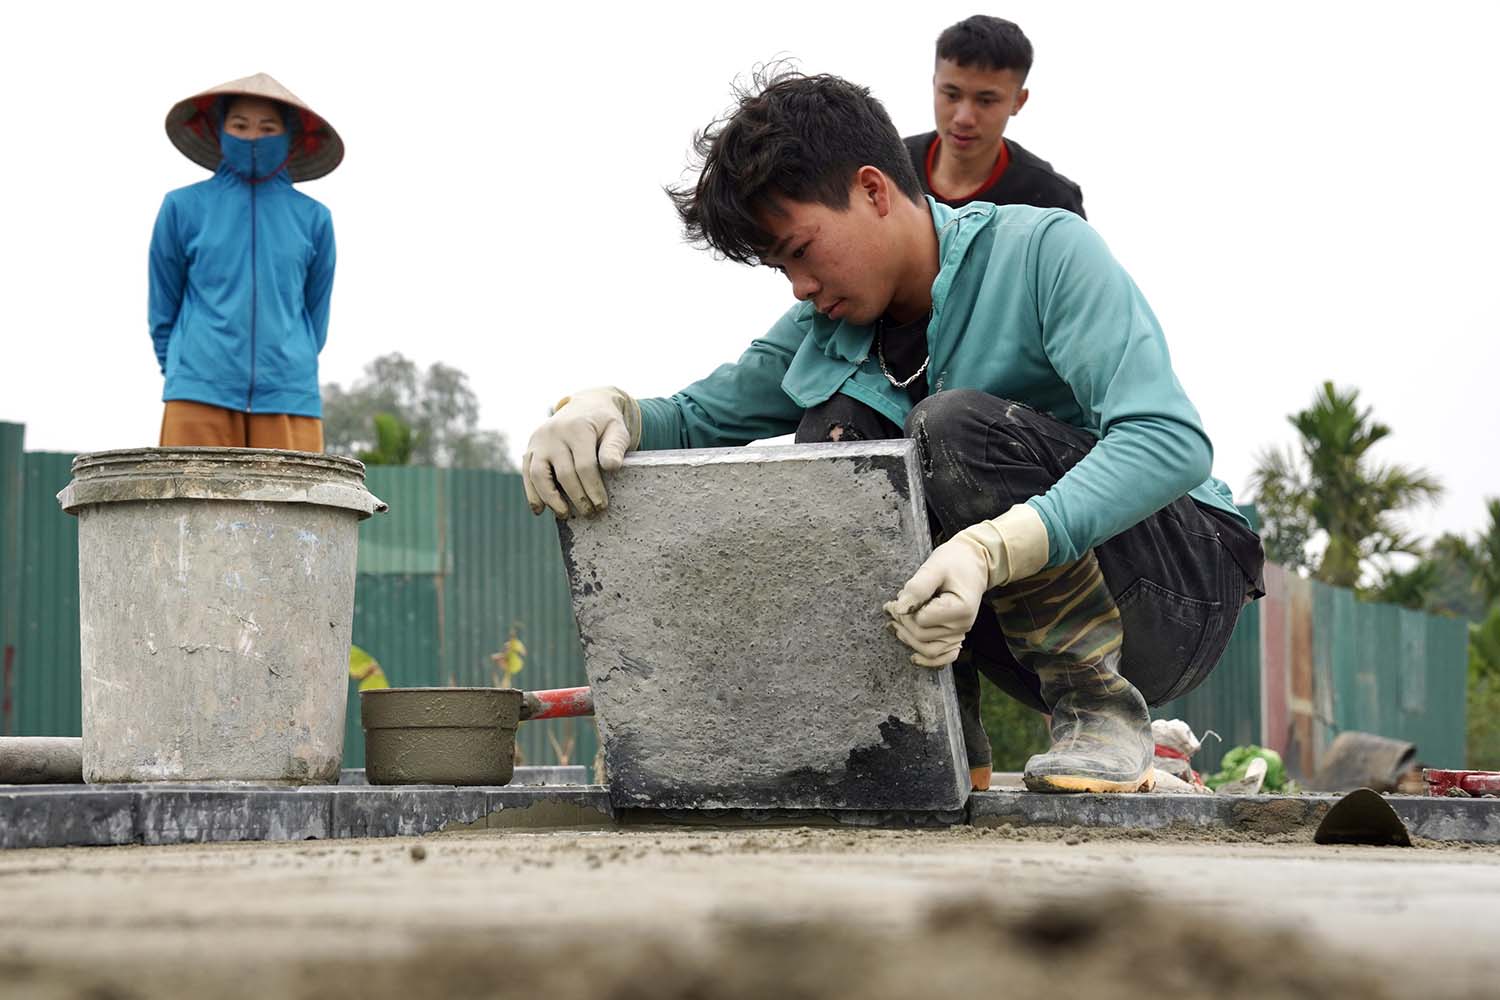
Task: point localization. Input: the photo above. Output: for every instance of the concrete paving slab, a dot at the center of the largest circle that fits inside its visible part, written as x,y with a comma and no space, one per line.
1465,820
524,774
731,818
81,815
1251,814
167,815
403,811
729,605
1472,820
83,819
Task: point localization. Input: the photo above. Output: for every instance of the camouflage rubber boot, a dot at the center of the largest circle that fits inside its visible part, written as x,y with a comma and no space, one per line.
1063,624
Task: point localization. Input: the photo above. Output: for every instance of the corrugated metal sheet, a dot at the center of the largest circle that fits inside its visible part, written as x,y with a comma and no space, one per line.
1392,671
46,670
1229,702
12,490
1333,663
408,538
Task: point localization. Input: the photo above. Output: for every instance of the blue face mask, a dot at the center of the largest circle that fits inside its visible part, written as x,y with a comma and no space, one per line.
255,159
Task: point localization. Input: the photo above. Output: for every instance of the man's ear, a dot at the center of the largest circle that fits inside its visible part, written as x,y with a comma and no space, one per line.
873,187
1020,101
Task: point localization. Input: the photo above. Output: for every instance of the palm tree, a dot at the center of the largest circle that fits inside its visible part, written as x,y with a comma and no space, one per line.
1480,557
1330,485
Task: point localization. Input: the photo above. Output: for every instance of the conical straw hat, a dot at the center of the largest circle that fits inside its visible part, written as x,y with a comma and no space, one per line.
193,127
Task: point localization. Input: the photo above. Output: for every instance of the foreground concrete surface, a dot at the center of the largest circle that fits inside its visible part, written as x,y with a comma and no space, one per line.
639,912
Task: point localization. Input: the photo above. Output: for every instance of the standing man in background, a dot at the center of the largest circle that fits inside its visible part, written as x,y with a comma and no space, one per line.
978,84
241,271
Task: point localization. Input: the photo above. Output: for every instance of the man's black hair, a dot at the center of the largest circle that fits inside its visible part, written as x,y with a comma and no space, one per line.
989,43
789,136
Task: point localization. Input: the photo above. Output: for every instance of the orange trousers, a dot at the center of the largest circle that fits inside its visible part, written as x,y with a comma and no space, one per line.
185,424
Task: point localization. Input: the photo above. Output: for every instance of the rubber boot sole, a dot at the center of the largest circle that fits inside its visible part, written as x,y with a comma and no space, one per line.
1081,783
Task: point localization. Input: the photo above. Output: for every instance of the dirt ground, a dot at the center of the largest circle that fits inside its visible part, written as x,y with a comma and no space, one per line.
751,913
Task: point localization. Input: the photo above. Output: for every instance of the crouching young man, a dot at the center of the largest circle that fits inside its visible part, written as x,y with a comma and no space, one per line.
1088,564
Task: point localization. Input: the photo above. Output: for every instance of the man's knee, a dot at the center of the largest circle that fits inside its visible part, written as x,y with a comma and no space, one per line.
843,418
974,455
956,412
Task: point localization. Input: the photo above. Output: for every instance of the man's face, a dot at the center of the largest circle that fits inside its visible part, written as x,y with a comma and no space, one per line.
253,118
972,107
839,261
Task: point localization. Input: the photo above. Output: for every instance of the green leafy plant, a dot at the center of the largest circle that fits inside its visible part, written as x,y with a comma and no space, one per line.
1237,759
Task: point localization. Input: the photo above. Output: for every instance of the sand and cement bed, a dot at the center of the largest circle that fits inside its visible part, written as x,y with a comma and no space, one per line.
792,913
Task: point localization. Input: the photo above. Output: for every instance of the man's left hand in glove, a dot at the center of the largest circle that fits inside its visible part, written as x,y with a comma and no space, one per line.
938,605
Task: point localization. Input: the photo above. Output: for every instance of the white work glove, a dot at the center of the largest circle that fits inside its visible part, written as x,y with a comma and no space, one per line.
588,432
938,605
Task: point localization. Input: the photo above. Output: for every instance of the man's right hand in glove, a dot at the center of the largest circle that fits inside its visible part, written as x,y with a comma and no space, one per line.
588,433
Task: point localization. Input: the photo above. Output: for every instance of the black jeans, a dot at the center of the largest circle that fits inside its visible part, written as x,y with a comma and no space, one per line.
1174,576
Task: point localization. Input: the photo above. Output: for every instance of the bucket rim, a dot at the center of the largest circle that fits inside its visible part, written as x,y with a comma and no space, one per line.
227,456
259,475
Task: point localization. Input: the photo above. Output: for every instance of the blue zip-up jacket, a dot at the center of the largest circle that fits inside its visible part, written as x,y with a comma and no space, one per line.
1028,305
241,276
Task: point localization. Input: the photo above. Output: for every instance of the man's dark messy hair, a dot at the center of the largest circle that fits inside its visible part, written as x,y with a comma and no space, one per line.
789,136
988,43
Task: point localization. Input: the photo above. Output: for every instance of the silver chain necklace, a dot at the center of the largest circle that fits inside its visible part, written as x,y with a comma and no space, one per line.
880,353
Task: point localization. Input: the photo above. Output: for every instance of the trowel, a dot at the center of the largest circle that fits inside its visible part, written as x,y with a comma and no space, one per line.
1363,817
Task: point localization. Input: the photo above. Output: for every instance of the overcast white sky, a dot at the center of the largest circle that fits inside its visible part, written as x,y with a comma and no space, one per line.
1303,191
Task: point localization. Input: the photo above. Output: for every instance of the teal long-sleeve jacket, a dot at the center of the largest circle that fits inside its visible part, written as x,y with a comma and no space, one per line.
1029,305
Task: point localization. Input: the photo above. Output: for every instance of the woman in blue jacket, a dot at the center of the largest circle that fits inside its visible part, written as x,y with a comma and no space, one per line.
242,271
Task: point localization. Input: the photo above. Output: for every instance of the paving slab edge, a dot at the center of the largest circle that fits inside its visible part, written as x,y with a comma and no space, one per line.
111,815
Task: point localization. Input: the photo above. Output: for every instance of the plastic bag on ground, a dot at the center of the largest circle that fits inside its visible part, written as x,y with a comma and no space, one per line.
1175,745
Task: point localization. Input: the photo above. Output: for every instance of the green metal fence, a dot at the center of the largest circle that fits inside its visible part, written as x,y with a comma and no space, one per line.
45,667
12,489
1392,671
459,558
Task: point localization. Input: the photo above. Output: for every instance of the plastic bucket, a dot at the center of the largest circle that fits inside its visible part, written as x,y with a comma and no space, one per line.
216,597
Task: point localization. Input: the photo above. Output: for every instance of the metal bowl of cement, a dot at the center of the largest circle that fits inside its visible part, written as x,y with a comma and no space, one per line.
440,736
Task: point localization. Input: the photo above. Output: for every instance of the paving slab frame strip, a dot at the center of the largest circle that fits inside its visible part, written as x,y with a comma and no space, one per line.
105,815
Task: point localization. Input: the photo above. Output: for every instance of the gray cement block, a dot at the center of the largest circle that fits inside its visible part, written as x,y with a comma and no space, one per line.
729,604
167,815
922,819
65,816
1247,814
403,810
551,774
1468,820
1472,820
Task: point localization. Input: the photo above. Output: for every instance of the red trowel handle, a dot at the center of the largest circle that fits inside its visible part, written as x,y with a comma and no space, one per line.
562,703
